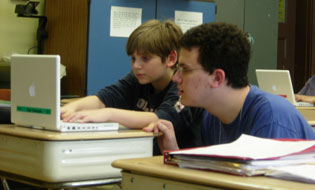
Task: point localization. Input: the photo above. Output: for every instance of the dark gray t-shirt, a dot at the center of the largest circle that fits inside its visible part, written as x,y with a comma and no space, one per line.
309,87
128,93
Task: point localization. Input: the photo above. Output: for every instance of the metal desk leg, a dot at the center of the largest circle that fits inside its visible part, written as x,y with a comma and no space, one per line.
4,184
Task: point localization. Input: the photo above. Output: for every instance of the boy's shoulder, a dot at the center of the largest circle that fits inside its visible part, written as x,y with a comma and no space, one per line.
171,88
264,101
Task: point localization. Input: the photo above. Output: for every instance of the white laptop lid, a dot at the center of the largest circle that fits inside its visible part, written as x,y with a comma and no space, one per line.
35,91
35,95
276,82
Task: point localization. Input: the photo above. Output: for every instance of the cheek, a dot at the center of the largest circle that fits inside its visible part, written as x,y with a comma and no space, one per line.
200,83
156,70
150,71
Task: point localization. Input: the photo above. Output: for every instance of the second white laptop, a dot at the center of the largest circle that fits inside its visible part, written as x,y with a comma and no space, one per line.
35,95
278,82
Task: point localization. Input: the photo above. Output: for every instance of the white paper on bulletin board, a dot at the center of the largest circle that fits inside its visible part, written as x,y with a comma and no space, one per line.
124,20
188,19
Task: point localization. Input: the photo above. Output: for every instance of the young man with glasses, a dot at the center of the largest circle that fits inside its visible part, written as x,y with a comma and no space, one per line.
212,74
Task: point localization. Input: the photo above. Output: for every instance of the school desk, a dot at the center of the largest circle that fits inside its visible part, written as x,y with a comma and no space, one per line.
151,173
308,113
58,160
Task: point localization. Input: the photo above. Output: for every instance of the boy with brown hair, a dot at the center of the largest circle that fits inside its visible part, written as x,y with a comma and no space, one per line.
147,93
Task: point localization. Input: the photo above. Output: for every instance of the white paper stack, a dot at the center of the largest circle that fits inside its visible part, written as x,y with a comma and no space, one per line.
251,156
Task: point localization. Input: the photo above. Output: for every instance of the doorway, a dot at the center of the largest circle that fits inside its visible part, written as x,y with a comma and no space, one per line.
296,40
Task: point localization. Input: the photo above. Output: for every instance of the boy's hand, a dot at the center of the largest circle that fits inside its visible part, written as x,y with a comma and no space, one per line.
69,110
66,111
167,141
93,116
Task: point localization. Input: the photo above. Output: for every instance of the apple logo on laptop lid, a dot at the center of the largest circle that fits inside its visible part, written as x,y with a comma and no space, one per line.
31,90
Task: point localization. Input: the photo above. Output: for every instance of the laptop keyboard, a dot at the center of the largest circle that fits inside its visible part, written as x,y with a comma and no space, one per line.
304,104
72,127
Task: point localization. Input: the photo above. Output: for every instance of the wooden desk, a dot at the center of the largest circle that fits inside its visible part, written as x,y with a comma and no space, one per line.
53,159
38,134
308,113
151,173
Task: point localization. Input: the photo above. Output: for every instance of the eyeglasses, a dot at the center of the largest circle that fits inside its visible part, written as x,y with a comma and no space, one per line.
183,70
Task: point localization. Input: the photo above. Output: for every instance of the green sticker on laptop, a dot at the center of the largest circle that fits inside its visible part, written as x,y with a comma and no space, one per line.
33,110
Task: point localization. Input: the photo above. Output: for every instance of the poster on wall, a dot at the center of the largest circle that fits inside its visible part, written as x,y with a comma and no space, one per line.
188,19
124,20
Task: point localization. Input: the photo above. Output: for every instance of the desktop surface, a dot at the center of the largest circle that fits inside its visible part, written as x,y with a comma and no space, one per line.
308,113
155,169
25,132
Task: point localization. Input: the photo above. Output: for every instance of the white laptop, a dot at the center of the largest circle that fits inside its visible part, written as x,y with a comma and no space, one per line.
278,82
35,95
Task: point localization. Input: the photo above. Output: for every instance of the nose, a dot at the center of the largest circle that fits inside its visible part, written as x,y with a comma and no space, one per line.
137,65
177,78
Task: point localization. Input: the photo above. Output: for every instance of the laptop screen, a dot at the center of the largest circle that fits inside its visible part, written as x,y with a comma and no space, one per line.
276,82
35,90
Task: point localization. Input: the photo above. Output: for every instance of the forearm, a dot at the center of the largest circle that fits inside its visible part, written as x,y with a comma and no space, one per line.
305,98
132,119
87,103
310,99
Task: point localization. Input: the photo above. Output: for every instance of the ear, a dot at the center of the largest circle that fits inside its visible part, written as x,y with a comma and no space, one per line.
171,59
218,77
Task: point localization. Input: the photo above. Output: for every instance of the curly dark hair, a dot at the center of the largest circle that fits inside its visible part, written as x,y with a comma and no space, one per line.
221,46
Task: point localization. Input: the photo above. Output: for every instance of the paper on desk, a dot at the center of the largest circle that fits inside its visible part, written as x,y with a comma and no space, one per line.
302,173
5,104
6,61
248,147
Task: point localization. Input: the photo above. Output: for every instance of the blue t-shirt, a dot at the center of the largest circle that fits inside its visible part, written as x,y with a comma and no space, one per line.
263,115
